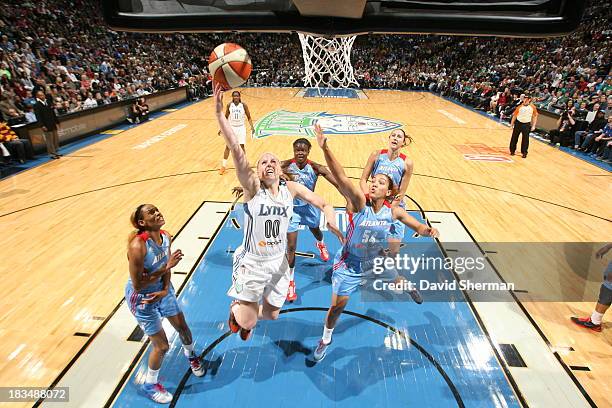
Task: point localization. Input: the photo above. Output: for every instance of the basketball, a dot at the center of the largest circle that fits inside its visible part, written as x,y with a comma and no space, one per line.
230,65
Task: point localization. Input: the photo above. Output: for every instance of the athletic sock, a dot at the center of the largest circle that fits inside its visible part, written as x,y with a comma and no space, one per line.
224,162
596,317
291,273
188,350
327,335
151,376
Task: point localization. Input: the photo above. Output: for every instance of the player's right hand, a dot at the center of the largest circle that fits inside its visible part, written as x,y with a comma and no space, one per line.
175,258
218,92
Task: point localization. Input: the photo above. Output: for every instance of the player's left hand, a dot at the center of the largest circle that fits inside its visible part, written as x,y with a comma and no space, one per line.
237,191
154,297
332,227
427,231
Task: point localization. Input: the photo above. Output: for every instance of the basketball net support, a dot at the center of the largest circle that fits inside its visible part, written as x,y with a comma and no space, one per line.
327,61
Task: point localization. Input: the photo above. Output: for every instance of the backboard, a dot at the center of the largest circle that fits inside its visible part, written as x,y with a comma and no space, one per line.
527,18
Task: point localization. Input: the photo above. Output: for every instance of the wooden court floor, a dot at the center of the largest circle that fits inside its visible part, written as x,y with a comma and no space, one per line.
64,224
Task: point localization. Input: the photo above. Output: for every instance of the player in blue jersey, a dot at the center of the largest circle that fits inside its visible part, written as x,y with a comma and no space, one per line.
305,172
604,301
150,295
393,163
370,220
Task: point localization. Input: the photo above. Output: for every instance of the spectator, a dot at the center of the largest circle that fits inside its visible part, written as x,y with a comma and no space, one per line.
30,116
596,125
50,124
143,109
20,148
14,118
591,114
594,141
90,102
601,141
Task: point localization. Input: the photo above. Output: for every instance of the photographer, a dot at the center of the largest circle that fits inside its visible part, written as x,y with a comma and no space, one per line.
562,135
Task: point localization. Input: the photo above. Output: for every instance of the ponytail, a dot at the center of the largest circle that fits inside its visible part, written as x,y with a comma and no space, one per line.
134,218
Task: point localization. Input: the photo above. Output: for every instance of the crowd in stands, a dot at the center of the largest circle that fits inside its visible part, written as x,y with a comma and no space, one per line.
63,48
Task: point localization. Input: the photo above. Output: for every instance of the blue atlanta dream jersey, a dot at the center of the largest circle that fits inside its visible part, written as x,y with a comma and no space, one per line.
392,168
155,257
366,237
306,176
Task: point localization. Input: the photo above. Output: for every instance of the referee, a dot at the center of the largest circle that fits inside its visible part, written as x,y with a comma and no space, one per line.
523,121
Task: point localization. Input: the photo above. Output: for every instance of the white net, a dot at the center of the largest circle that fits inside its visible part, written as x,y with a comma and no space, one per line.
327,61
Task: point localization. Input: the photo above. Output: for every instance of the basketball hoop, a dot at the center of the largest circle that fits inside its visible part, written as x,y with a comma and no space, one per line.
327,61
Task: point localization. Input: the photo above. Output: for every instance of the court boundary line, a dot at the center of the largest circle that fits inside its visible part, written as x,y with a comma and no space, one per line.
83,141
565,367
495,189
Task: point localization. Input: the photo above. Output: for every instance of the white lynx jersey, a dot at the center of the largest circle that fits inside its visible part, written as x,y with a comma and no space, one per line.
236,114
266,220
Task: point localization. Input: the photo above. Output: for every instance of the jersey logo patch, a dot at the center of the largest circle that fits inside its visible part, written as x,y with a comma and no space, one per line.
272,210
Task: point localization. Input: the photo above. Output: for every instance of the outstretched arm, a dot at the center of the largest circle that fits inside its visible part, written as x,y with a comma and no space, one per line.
355,199
299,191
246,176
422,229
367,172
324,171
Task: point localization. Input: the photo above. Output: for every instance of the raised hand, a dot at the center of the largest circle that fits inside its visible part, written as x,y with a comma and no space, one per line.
321,138
218,92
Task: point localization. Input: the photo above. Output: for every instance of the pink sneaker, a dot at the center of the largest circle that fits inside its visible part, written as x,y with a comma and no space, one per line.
323,252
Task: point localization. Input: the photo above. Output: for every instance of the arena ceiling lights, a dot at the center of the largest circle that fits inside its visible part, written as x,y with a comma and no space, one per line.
531,18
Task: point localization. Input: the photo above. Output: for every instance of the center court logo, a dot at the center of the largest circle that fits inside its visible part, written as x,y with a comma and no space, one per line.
286,123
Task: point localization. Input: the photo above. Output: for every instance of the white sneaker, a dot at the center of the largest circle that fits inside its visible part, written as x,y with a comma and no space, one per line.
157,393
196,366
320,351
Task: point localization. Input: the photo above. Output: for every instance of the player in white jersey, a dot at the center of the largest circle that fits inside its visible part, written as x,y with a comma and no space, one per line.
260,269
235,112
370,218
